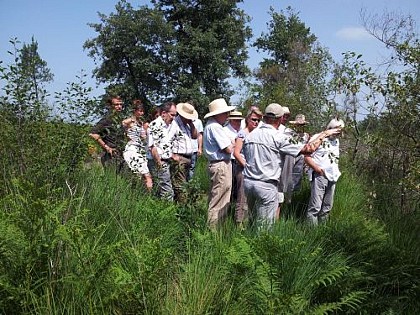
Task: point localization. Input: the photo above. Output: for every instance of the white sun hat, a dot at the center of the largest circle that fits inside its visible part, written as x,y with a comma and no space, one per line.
218,106
187,111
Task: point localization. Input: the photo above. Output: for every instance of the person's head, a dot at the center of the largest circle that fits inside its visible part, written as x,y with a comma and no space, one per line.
186,112
273,114
138,108
219,110
115,103
253,118
299,123
168,112
235,118
286,116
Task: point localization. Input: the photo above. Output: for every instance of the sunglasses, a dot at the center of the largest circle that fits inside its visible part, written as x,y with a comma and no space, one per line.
255,119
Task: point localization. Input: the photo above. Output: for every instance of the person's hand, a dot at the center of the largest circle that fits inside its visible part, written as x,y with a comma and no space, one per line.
175,157
332,132
109,150
319,171
199,152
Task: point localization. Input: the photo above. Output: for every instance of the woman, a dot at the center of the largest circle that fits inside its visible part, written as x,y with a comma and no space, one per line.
252,121
135,149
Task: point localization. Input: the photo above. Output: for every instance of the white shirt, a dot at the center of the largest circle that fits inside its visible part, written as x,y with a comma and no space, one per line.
158,135
181,137
215,139
232,134
199,126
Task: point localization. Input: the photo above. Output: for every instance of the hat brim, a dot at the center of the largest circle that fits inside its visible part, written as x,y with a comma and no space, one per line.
186,115
296,122
220,111
235,118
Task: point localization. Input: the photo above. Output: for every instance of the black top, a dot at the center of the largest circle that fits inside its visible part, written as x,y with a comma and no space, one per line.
111,131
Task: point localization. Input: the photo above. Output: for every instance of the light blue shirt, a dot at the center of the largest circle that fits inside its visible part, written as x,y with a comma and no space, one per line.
215,139
263,151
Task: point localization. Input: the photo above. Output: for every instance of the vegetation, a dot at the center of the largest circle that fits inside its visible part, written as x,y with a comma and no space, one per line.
76,239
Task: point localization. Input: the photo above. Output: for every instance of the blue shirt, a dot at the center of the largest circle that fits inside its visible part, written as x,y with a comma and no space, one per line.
215,139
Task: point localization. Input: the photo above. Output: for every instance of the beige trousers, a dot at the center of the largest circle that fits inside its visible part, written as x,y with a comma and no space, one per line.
219,195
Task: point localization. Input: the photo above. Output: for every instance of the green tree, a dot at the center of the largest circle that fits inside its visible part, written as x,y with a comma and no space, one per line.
178,49
296,70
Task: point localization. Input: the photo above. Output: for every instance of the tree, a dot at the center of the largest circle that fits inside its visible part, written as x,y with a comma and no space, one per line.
179,49
389,137
295,72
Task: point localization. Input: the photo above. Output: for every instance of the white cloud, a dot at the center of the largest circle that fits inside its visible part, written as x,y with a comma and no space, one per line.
353,33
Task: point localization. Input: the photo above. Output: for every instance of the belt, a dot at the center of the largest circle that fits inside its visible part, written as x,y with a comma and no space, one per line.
217,161
187,156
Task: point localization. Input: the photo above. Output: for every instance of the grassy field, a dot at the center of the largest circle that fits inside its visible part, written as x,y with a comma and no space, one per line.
98,244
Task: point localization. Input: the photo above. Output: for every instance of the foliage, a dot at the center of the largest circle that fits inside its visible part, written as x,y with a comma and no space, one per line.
296,70
185,50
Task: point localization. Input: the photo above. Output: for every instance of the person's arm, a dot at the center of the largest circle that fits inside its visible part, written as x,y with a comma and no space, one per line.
237,152
200,144
194,133
101,142
229,149
313,145
311,163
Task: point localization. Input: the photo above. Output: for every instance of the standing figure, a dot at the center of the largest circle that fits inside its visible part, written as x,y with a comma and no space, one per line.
218,149
183,132
263,151
109,133
323,174
136,147
160,150
252,120
232,129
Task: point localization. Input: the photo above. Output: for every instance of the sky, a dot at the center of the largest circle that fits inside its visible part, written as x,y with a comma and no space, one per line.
61,27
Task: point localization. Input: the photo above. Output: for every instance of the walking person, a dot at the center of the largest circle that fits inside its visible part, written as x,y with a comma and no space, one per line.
324,173
252,121
160,150
218,149
135,149
109,134
183,133
263,151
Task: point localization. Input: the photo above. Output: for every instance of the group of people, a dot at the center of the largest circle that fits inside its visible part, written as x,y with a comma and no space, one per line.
254,162
162,150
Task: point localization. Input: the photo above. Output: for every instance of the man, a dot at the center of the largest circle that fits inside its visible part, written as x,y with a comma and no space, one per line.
183,132
218,149
160,149
263,152
232,129
324,173
108,132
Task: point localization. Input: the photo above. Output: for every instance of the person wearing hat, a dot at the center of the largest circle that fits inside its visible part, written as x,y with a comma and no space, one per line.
292,170
323,174
218,149
183,132
232,129
263,152
160,149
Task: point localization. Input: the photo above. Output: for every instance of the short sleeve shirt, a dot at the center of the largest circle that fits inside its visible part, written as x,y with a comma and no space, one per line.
159,137
199,127
111,131
215,139
327,156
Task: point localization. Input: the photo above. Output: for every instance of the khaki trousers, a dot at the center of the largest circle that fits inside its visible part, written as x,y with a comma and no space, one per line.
220,173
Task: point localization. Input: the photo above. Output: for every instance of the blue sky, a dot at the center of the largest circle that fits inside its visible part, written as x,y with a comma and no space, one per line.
60,28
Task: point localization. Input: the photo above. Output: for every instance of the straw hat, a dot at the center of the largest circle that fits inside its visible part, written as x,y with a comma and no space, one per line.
299,120
218,106
235,115
187,111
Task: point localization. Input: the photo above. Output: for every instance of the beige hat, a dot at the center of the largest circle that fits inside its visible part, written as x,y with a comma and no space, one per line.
299,120
274,110
187,111
235,115
218,106
335,123
286,110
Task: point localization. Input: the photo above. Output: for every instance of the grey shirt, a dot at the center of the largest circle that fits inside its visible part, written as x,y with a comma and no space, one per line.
264,149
